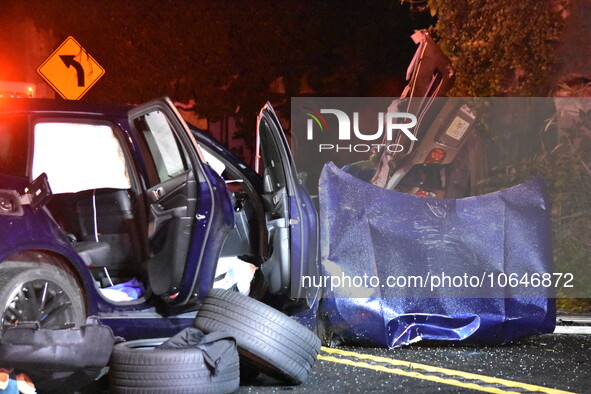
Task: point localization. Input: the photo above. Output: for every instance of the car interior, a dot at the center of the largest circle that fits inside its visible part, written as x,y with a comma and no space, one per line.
107,222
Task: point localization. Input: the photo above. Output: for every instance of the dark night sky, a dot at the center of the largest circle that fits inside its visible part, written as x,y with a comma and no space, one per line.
227,52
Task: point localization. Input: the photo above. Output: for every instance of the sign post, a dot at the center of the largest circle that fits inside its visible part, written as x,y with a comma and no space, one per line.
70,70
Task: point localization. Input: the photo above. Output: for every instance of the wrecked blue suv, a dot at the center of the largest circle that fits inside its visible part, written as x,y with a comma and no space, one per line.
95,199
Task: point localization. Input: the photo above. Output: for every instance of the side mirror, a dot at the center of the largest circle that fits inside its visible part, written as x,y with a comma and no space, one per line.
37,194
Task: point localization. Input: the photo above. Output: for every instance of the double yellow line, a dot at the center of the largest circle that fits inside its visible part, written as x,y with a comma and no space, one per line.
431,373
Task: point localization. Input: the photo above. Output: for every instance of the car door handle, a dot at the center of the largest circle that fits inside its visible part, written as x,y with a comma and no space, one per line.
157,193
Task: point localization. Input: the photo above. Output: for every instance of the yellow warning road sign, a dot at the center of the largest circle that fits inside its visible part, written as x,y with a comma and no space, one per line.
70,70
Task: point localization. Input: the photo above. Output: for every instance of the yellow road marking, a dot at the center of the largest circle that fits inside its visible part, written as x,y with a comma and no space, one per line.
432,369
416,375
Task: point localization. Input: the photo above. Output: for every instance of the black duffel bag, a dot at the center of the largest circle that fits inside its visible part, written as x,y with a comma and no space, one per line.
58,360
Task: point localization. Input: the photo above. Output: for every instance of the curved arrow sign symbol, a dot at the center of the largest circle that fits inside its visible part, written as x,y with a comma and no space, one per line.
69,61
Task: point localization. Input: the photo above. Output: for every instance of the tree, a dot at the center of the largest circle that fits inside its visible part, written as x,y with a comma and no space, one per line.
498,48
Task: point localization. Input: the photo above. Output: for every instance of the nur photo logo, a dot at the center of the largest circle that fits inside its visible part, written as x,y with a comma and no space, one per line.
389,125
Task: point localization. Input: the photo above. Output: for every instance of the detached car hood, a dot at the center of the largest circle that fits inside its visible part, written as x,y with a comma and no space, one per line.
371,232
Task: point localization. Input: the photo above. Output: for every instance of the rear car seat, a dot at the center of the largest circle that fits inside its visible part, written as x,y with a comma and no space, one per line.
94,254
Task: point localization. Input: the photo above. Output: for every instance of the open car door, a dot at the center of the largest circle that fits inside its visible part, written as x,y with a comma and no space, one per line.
292,220
189,210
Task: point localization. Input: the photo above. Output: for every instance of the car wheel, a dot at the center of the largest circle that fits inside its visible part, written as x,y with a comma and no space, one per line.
273,342
43,294
136,367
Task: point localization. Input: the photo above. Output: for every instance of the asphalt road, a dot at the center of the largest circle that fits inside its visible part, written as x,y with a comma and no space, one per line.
551,363
547,363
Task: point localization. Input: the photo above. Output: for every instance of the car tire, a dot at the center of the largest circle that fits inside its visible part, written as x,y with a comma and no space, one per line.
136,367
267,339
40,293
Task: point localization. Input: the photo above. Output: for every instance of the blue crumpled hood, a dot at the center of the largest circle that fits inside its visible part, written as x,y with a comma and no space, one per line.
367,230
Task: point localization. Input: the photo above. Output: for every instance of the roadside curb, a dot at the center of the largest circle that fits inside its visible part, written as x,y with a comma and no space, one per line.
573,324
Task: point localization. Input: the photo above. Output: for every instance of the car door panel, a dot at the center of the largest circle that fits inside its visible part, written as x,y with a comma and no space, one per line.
169,200
169,230
291,217
185,205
